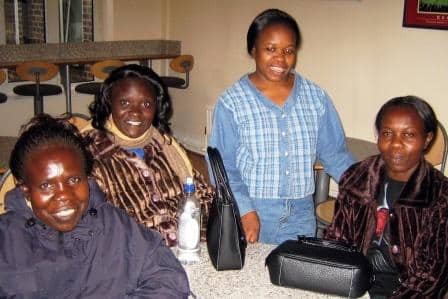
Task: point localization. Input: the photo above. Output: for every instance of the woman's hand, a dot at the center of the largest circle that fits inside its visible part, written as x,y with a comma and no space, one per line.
251,226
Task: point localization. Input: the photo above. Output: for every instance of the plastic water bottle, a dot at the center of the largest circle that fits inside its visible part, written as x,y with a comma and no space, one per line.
189,224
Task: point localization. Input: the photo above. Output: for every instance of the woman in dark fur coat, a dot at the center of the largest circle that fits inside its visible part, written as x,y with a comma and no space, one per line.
394,206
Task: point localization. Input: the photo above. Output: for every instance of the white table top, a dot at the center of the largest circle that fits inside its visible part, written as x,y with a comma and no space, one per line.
249,283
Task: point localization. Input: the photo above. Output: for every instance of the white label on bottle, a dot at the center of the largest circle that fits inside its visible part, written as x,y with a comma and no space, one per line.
188,232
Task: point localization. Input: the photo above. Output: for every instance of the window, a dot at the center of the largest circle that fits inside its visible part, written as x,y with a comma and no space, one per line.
26,22
77,21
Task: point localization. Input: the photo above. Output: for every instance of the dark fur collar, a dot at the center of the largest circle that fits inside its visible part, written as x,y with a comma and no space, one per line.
364,179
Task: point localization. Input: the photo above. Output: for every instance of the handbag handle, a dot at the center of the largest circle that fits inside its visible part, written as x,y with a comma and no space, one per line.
217,166
220,175
328,243
224,193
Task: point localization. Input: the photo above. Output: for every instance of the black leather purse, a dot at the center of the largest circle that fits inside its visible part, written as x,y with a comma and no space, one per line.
318,265
226,242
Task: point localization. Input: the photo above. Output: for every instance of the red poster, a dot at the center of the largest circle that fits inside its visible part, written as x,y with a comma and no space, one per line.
426,14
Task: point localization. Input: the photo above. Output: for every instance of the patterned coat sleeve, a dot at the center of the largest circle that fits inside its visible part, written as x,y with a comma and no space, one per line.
205,194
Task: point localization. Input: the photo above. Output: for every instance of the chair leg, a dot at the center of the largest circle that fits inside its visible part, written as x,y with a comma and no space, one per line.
322,187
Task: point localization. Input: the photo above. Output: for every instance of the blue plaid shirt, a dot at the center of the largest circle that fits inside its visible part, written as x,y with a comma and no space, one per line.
269,151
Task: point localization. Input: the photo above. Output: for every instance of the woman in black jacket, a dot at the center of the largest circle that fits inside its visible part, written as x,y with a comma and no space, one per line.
57,234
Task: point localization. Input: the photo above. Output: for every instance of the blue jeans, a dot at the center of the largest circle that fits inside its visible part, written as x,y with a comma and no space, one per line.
285,219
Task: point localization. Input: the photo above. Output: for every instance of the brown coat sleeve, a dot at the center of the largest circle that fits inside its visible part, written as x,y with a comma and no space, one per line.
426,275
352,215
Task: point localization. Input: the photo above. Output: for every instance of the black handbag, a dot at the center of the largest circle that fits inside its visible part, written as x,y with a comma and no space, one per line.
318,265
226,242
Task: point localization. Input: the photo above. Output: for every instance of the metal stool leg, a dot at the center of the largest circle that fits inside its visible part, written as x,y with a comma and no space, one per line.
38,105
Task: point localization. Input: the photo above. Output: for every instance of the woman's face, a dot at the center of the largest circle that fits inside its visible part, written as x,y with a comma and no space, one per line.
402,141
275,53
57,186
134,105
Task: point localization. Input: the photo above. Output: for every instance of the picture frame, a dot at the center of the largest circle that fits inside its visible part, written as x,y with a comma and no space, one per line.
431,14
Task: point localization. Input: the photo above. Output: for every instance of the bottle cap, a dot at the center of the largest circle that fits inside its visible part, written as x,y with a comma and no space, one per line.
189,185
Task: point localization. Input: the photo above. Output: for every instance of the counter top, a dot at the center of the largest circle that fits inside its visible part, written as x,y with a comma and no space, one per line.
252,282
68,53
65,54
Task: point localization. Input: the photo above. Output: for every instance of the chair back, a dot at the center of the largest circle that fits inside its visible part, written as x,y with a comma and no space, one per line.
438,152
37,71
7,183
181,64
103,68
3,97
2,76
78,120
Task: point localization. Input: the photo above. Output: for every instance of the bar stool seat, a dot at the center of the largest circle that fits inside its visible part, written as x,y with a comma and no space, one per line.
325,211
3,97
173,81
100,70
37,71
30,90
92,88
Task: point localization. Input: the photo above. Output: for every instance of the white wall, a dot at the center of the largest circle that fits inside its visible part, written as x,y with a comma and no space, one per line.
355,49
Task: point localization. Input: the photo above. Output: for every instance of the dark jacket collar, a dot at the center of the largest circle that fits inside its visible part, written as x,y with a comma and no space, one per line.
366,180
15,204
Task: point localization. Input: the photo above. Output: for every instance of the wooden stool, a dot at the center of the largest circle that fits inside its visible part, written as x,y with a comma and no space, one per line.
100,70
437,154
181,64
325,211
7,182
3,97
37,71
79,120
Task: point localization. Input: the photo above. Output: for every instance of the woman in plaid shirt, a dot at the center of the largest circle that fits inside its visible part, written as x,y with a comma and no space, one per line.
270,127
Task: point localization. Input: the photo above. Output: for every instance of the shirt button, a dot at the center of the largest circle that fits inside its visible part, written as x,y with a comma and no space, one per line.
283,134
287,172
395,249
283,115
145,173
286,154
